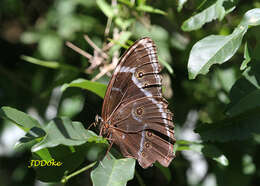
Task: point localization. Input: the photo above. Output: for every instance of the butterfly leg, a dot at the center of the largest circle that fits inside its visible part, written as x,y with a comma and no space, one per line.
94,123
109,149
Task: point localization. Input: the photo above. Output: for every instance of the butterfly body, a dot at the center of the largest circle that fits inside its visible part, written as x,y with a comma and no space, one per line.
134,113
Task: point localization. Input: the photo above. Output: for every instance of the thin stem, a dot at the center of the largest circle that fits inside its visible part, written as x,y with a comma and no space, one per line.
79,50
109,21
66,178
91,43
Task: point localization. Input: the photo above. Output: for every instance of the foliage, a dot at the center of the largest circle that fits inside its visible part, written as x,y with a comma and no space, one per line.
52,94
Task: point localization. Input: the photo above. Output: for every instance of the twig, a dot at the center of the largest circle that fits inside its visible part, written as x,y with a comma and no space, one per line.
106,69
109,21
91,43
79,50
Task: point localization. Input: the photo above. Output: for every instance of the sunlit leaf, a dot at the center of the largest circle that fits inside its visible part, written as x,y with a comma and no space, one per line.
180,4
62,131
95,87
215,11
252,17
214,49
114,172
19,118
227,78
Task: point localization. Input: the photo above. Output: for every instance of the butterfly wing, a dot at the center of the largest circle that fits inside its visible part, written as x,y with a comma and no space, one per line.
134,106
146,147
135,57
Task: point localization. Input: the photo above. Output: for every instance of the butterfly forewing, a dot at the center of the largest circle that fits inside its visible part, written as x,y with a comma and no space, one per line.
139,121
133,60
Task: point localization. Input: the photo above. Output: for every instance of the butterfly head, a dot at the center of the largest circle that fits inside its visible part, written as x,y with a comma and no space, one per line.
98,120
102,125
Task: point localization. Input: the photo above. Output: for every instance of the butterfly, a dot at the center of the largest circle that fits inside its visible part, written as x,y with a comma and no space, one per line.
135,116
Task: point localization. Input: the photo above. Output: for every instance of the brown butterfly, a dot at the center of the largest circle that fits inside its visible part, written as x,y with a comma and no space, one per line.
134,113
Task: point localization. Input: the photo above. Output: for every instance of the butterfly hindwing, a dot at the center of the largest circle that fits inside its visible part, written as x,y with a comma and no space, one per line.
145,146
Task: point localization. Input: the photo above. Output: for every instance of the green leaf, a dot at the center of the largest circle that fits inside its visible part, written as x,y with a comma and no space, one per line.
227,78
114,172
252,74
43,154
252,17
207,150
239,127
180,4
95,87
71,106
70,159
62,131
179,41
215,11
214,49
49,64
249,102
32,135
247,58
50,46
146,8
249,166
106,8
244,94
19,118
